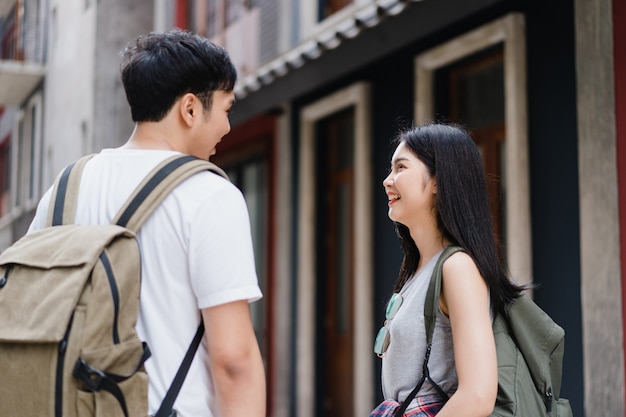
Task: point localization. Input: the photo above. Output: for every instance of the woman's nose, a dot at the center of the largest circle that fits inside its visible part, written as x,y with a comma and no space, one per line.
387,182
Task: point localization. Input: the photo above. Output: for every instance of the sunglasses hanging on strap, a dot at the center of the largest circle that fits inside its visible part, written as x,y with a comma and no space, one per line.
430,317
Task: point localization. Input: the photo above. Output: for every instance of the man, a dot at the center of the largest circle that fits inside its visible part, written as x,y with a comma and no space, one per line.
197,259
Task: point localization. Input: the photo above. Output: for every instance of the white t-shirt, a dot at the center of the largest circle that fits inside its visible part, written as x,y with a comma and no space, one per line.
196,253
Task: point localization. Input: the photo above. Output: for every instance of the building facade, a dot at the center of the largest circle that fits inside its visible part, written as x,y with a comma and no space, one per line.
323,88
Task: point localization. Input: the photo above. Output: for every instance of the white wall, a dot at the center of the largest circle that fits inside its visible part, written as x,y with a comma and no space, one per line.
68,89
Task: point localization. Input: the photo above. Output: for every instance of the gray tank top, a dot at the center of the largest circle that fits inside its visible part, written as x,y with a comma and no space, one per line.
402,363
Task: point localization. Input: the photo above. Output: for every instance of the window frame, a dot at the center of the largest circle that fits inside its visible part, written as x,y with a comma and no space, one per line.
509,31
359,96
26,167
309,12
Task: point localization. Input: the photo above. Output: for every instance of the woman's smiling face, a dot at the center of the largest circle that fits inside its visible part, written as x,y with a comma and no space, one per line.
409,187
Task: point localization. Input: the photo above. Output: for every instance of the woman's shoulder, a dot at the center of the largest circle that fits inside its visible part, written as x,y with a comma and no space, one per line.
460,260
460,265
462,284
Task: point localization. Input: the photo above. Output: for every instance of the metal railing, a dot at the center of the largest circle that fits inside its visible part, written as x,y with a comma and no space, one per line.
21,32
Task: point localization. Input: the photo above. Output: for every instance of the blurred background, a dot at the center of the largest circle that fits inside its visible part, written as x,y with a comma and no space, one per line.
324,85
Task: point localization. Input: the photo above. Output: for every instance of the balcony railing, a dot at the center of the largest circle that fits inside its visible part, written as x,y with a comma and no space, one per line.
21,49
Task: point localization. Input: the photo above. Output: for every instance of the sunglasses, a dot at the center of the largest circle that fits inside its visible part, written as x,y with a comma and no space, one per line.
381,343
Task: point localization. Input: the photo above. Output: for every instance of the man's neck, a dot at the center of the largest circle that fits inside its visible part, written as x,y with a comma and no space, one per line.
152,135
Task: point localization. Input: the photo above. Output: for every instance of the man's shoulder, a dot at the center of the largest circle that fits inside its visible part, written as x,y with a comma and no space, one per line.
209,186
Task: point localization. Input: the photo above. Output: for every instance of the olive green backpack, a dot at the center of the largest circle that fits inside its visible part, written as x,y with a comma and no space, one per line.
529,346
69,299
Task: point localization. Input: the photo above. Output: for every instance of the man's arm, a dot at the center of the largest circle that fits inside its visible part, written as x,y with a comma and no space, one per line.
235,360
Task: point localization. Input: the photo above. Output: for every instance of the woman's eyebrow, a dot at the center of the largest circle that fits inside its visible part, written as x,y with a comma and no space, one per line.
398,159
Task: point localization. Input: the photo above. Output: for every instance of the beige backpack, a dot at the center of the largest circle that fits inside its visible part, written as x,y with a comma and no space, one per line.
69,299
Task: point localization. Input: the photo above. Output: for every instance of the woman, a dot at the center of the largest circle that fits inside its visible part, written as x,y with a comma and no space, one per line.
437,198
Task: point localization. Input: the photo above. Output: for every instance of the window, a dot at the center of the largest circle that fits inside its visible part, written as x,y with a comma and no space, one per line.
218,15
334,196
232,24
329,7
471,92
321,16
26,155
234,10
5,176
335,261
491,54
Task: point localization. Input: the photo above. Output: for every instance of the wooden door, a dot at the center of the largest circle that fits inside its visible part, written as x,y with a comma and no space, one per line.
336,302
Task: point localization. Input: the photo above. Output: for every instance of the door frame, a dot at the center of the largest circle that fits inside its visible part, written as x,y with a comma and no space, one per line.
509,31
357,95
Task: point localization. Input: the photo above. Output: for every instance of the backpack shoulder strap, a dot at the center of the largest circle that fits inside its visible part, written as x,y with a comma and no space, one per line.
431,303
64,197
142,202
430,316
157,185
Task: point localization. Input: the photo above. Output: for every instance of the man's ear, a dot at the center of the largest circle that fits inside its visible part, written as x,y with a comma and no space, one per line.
187,108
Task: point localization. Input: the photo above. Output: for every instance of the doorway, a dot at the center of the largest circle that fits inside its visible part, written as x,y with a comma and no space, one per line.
334,367
335,141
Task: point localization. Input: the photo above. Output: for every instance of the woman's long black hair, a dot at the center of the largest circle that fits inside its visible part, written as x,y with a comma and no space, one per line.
462,205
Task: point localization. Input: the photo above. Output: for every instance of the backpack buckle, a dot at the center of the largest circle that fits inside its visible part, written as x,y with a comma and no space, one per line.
92,377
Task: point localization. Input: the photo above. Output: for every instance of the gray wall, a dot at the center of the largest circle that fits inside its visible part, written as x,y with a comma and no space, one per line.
599,213
117,24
